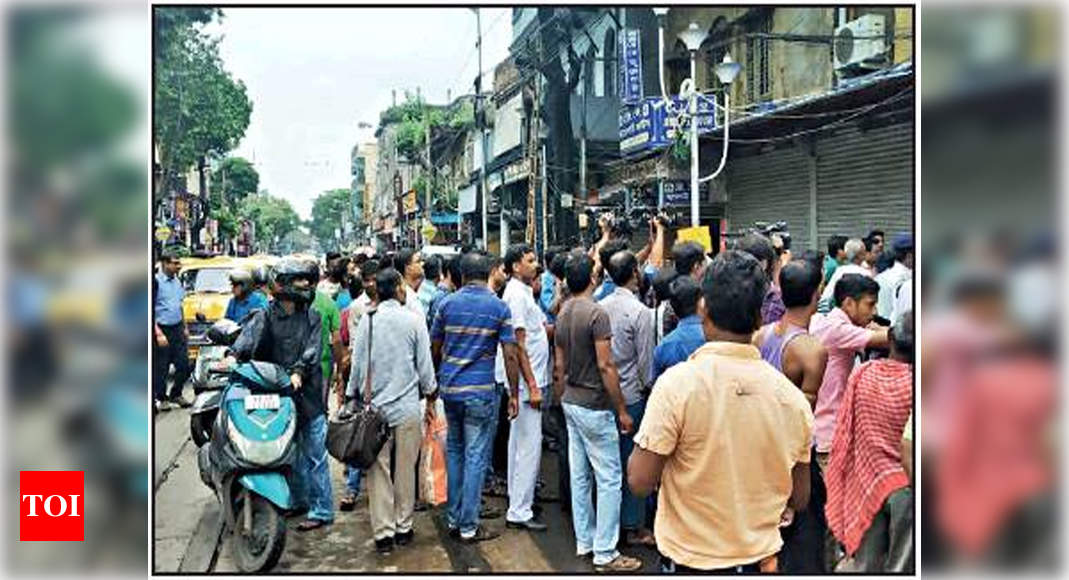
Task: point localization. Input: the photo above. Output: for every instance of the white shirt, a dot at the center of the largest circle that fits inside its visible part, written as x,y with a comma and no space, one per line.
903,301
829,290
412,302
889,280
528,316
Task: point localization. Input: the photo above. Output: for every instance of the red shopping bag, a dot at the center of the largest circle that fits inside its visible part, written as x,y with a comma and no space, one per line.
432,470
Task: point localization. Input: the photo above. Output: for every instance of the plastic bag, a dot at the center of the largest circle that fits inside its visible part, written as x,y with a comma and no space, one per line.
433,487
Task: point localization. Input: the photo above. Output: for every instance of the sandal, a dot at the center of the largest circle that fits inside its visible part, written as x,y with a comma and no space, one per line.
622,563
348,503
309,525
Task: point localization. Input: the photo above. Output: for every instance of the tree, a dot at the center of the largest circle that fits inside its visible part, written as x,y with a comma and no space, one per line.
67,116
198,106
272,216
327,212
235,179
562,154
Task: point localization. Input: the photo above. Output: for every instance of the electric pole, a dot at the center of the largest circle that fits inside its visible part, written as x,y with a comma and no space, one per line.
482,126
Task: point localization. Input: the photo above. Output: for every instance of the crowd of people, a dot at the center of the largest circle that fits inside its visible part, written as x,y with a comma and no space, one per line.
749,411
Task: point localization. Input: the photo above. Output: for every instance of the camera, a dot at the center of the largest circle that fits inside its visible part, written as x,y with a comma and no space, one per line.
769,229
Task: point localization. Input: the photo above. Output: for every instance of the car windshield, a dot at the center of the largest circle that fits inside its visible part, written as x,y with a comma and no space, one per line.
207,280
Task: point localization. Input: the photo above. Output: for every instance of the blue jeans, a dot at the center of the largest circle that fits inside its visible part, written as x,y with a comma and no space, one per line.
630,506
493,432
594,449
312,479
352,479
469,437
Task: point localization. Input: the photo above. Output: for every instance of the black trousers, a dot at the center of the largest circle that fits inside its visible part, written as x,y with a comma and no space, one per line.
177,353
670,567
554,426
803,540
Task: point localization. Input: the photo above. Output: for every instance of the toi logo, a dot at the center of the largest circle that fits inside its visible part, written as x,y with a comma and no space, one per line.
51,506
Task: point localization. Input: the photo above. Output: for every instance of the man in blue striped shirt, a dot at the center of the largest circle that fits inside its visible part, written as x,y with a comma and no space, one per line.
468,326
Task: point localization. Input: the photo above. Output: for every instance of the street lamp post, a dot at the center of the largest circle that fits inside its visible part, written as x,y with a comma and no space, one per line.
726,71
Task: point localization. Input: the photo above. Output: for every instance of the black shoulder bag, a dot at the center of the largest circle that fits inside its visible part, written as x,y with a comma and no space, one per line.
357,437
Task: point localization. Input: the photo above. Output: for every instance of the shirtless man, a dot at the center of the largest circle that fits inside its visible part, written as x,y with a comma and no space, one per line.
786,344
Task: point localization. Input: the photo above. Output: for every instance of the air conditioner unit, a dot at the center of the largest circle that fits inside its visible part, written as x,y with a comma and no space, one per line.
861,43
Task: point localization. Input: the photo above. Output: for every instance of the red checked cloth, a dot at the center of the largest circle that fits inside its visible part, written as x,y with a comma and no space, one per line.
865,465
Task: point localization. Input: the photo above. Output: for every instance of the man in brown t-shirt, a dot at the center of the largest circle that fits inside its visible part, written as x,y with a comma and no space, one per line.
588,385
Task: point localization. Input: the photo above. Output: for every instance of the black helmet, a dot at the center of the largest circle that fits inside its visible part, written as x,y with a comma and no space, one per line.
259,275
288,271
224,332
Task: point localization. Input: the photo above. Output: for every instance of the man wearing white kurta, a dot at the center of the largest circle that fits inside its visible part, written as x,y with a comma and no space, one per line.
525,433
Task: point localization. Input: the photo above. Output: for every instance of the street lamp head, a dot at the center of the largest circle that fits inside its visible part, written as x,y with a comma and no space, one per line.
693,37
727,70
660,11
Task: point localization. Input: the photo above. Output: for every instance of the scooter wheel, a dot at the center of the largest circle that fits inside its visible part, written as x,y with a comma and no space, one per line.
259,549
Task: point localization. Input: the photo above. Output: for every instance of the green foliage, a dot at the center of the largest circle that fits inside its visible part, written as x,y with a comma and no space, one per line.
273,216
327,212
235,179
414,114
67,115
198,106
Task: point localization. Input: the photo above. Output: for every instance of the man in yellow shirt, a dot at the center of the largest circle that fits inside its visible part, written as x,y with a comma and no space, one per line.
725,436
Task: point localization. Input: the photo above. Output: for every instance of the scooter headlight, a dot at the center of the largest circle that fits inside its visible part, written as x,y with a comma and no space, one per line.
261,452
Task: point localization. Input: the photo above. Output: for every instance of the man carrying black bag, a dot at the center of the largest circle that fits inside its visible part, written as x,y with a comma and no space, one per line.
392,346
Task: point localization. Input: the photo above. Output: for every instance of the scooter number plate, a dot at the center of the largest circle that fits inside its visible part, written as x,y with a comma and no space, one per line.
270,402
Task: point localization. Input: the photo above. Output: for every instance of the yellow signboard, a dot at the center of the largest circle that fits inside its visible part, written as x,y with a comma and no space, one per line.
428,231
698,234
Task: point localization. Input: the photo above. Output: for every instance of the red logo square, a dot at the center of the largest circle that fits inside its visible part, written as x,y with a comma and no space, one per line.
51,506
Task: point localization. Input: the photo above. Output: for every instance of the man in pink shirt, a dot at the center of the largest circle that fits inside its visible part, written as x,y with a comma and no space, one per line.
845,332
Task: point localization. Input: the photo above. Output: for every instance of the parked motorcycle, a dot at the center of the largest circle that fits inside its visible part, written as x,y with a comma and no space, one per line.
211,373
247,459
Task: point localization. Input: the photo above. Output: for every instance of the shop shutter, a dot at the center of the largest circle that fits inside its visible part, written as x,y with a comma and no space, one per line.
865,182
770,187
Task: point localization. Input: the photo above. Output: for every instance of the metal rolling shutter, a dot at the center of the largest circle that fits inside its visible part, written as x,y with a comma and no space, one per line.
771,187
865,182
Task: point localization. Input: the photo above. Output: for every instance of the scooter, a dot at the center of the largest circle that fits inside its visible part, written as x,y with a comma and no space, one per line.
248,458
211,373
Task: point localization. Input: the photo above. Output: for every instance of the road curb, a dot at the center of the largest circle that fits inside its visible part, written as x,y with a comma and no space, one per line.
203,547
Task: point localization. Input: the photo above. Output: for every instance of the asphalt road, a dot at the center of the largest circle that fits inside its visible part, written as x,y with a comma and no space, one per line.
188,536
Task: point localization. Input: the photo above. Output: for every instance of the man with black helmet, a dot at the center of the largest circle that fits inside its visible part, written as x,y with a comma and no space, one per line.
288,333
246,297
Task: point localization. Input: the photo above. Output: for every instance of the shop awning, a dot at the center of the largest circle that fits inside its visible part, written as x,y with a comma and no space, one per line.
445,218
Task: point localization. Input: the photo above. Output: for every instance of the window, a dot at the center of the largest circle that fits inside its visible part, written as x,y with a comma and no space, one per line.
611,66
758,61
588,73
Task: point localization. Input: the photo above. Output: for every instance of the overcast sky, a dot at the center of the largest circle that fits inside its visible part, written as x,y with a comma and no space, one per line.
313,74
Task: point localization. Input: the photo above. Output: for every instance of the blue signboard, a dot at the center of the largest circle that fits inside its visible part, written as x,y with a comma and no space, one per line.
646,126
629,53
676,192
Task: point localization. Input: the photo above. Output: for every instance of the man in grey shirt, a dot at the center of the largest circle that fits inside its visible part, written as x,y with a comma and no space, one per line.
395,342
632,351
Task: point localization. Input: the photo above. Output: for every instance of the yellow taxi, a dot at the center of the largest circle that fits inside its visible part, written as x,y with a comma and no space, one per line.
208,291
